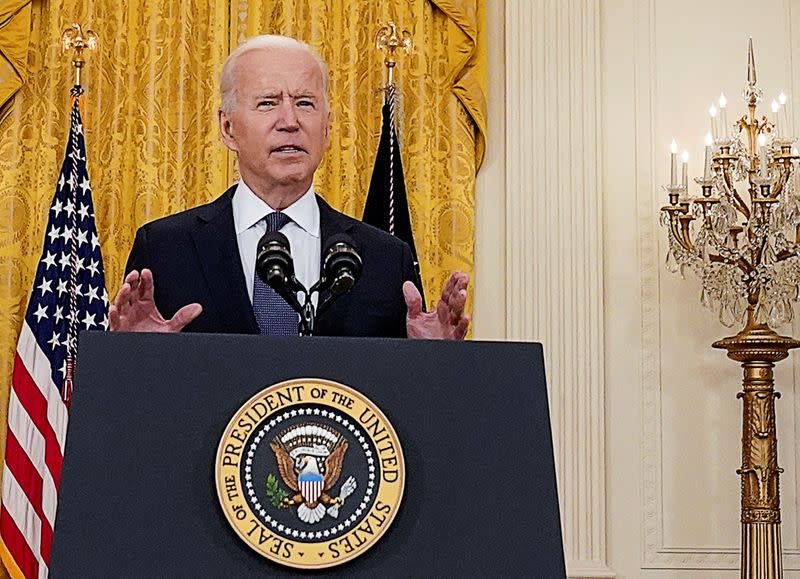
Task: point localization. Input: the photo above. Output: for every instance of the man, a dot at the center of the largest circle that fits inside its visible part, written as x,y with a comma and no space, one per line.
198,267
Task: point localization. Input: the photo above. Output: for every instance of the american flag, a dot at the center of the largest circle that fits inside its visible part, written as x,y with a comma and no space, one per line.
68,296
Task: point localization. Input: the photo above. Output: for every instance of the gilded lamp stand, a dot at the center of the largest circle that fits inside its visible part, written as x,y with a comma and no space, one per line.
758,347
741,236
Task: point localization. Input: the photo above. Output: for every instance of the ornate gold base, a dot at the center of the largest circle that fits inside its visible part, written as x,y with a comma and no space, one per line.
761,551
758,348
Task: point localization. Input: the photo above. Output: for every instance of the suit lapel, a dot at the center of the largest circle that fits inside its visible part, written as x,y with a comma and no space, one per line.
215,240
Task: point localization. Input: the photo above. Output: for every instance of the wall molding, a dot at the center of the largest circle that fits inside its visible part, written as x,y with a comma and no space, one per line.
554,242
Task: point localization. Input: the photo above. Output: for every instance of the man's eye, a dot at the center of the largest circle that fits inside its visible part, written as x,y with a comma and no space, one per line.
266,104
304,103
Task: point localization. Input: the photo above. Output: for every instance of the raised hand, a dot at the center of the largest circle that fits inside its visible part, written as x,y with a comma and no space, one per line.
448,321
134,309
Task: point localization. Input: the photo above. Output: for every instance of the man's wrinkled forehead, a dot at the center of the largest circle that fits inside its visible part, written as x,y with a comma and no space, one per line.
280,71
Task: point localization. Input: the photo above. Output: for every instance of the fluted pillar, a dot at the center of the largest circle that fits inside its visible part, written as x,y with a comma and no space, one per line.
555,245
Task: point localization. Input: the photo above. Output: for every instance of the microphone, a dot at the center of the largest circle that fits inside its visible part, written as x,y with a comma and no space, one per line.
275,267
341,265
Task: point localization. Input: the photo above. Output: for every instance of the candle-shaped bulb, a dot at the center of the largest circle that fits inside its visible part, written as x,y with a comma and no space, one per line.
784,115
776,111
795,151
707,165
685,170
762,154
673,164
723,115
714,131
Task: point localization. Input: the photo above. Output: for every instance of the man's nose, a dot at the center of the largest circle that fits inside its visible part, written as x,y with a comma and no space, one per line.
287,118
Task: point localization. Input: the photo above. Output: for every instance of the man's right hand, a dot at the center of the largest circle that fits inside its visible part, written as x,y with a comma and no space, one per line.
134,309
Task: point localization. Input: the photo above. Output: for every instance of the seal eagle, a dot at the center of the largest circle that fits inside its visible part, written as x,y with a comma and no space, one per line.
310,458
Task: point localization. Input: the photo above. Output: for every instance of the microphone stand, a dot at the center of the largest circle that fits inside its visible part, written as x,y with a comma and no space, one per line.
305,326
308,314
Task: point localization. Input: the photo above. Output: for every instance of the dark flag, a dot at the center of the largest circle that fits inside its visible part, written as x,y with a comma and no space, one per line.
68,295
387,204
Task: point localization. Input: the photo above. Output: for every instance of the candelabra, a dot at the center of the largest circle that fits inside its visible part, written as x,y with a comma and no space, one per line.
741,236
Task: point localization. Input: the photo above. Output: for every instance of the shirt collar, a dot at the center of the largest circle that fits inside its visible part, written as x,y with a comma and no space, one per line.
249,209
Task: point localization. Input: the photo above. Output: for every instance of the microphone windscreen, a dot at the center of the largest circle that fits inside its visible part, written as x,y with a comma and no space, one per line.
274,263
343,238
275,237
342,264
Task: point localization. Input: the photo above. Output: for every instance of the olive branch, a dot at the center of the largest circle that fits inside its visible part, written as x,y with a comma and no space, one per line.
275,493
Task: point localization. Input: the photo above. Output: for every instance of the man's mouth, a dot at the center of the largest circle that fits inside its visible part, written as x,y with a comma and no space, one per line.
288,149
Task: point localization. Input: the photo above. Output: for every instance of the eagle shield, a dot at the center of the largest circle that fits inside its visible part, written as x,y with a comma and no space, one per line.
311,485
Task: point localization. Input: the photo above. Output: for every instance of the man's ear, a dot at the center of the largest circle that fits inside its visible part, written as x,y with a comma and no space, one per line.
226,130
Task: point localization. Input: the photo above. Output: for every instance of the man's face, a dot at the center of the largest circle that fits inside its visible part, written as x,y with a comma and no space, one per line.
279,125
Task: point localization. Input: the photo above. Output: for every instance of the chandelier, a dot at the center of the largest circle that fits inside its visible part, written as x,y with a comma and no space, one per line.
741,235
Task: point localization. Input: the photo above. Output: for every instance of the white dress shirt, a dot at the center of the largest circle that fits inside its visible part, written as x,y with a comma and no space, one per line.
303,233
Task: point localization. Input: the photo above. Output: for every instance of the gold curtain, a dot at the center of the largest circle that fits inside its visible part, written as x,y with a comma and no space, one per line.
15,21
150,120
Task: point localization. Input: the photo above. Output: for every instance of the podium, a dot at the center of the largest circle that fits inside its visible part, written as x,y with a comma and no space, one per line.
138,495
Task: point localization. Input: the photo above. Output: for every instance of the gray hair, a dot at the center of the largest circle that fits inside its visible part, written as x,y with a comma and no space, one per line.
227,85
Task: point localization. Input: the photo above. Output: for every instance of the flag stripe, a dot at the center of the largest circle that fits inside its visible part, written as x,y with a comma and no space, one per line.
30,352
36,406
31,442
32,485
24,517
15,543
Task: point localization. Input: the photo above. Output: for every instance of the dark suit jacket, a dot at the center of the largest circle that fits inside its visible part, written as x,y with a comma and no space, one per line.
194,258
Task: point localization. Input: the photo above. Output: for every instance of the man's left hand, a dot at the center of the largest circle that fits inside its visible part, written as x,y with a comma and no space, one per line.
448,322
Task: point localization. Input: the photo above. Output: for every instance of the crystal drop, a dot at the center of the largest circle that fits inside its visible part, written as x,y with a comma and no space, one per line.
671,263
726,317
705,300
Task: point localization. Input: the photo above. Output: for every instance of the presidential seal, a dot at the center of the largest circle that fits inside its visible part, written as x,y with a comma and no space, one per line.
309,473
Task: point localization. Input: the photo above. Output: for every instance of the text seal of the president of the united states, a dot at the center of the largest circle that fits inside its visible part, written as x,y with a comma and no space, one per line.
310,473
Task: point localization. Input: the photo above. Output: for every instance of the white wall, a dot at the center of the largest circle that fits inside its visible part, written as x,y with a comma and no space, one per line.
646,423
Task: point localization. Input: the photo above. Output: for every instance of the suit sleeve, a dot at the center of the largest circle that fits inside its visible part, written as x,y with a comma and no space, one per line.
409,272
139,257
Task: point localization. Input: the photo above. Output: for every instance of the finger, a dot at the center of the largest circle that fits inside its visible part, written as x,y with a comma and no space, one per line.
146,285
443,307
458,282
413,299
461,280
183,316
457,305
461,327
133,280
113,318
449,286
123,296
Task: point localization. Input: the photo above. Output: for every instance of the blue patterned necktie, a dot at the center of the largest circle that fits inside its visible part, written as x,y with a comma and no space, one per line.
274,316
